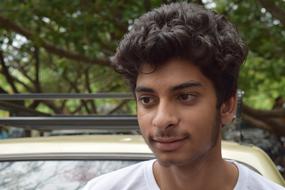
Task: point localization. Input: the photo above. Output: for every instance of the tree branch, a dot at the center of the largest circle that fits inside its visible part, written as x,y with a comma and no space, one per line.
263,113
276,11
22,68
14,108
9,25
272,120
30,89
7,74
147,5
11,79
255,122
37,70
52,106
74,85
198,2
3,91
277,125
36,82
88,87
77,109
118,107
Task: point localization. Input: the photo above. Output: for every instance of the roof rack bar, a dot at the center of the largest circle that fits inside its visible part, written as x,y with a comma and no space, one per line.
57,96
121,123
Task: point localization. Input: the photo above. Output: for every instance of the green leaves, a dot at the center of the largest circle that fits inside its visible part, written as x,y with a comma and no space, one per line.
93,29
263,75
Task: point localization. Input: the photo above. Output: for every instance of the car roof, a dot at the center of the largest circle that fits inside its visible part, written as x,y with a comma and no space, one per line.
82,143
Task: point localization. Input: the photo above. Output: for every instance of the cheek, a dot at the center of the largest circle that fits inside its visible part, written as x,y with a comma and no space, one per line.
144,120
199,120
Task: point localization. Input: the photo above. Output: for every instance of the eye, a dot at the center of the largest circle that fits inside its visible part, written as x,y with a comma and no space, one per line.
186,97
146,100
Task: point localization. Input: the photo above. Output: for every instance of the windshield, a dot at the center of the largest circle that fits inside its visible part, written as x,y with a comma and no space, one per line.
56,175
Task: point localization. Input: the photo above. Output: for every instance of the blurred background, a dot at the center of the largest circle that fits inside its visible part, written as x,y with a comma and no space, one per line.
61,46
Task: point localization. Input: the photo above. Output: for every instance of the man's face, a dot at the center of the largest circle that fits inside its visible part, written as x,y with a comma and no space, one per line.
177,114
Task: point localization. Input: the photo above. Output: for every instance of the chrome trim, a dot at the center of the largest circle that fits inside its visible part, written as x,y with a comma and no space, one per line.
120,123
76,156
57,96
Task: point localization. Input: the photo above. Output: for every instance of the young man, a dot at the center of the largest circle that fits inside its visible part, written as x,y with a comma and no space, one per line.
182,62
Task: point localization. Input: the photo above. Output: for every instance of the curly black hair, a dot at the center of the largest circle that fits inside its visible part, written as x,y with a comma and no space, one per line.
184,31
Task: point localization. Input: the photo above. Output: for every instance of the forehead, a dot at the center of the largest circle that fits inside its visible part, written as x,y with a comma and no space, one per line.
171,73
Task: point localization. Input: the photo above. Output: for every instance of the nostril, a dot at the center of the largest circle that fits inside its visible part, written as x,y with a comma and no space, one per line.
169,125
165,117
165,122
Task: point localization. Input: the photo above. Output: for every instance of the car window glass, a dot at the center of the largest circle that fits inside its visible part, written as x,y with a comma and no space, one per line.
46,175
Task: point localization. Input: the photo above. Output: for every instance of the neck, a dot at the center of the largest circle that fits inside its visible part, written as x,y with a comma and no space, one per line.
210,172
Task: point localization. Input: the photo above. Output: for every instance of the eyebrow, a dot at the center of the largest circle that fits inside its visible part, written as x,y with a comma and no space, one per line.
190,84
143,89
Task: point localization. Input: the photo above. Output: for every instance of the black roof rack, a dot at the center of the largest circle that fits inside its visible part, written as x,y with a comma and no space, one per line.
58,96
118,123
64,122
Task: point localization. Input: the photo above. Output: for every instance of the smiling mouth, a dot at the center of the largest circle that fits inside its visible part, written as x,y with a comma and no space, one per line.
168,139
168,144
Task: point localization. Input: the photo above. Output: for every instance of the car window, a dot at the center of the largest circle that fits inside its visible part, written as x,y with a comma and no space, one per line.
56,175
60,174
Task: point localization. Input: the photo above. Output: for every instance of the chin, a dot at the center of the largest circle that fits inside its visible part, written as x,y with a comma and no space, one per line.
180,159
172,159
174,162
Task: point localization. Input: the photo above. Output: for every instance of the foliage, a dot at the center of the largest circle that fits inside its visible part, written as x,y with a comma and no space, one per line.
89,29
65,46
262,77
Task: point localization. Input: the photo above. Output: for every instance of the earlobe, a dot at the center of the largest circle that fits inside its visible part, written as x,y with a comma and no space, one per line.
228,111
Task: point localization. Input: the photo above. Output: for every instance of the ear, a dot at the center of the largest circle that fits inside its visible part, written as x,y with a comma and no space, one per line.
228,110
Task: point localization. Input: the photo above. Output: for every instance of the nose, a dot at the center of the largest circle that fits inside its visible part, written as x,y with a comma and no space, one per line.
165,116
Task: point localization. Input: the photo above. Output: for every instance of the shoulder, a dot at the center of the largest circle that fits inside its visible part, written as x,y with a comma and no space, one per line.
121,179
251,180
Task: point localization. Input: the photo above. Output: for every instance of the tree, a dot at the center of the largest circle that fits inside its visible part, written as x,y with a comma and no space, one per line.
43,42
68,42
261,23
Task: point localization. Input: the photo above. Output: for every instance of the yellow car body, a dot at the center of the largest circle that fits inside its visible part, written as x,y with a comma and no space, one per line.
121,147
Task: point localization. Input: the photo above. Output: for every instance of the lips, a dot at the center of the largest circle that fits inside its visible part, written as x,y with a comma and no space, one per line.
168,144
168,139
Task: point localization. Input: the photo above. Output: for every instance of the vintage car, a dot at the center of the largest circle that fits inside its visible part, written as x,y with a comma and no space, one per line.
69,162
